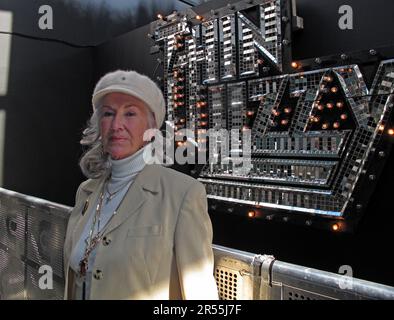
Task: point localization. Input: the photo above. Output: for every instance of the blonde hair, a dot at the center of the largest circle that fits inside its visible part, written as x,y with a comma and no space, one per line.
94,161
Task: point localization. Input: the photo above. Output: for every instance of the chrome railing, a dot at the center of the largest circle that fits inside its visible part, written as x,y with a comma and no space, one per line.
32,233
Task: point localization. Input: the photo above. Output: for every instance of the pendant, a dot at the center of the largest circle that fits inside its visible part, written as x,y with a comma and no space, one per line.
109,198
83,267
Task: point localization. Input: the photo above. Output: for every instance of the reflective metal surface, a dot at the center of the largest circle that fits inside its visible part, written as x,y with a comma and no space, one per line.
312,132
32,232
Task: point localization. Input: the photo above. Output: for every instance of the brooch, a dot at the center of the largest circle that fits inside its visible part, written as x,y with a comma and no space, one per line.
85,207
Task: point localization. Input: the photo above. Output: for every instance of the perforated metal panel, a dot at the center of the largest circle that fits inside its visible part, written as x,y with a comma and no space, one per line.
239,275
46,233
228,282
32,233
12,226
234,273
12,276
290,293
33,290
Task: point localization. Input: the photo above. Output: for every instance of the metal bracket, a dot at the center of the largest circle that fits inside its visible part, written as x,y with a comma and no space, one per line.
267,262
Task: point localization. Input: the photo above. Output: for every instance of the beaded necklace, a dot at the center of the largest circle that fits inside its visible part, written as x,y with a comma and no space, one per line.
94,240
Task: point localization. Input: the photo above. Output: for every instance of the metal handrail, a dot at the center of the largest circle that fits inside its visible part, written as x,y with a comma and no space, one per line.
239,274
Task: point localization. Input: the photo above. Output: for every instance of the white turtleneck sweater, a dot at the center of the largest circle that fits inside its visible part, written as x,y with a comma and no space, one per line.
123,173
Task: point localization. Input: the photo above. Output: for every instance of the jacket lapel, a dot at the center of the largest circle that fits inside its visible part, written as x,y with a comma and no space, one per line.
135,197
91,194
146,180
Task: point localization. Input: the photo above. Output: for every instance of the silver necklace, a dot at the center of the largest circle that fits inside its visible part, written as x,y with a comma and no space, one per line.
111,195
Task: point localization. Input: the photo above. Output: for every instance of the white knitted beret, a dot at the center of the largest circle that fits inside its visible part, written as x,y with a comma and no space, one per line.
134,84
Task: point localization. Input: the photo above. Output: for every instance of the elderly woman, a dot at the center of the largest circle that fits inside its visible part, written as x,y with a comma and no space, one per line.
138,230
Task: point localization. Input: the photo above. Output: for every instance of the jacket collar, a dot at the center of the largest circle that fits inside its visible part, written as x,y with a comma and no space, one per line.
146,180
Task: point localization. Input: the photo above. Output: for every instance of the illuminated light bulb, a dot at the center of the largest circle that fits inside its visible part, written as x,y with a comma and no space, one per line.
334,89
284,122
325,125
343,116
175,74
295,65
244,128
339,104
203,115
160,16
329,105
275,112
390,132
328,78
287,110
335,227
381,127
251,214
250,113
336,125
260,61
204,123
181,79
320,107
316,119
198,17
182,120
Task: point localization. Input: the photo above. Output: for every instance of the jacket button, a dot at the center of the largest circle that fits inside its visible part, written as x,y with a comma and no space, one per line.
106,241
98,274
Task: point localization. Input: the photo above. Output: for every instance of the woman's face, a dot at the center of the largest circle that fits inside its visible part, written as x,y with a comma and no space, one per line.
123,122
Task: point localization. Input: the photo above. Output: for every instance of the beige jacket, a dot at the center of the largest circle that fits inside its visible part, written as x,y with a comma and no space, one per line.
158,246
